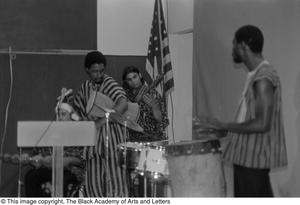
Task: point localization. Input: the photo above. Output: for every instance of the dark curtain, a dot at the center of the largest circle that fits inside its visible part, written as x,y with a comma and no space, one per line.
38,78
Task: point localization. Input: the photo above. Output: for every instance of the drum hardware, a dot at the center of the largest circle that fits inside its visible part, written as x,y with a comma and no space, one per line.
154,178
145,177
154,166
124,149
146,160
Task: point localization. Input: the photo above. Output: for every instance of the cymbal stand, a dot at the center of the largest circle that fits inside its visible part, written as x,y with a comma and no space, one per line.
128,175
154,184
145,175
145,184
106,154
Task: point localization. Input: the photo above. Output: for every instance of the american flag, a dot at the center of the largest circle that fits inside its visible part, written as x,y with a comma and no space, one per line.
158,57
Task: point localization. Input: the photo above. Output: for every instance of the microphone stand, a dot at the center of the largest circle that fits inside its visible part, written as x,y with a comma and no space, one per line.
57,156
106,154
20,183
57,164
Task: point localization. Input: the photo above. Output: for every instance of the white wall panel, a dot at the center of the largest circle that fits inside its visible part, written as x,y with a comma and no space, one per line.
124,26
182,61
180,15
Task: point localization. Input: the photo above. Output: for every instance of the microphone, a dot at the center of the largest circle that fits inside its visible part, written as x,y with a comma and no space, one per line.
64,93
63,90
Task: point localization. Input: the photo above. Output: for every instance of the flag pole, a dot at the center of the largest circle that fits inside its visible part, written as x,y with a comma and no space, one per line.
163,70
161,48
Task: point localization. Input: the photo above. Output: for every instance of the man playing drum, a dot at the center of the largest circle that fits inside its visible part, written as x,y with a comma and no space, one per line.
256,139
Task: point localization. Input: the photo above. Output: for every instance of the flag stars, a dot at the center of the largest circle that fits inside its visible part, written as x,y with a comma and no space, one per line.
158,47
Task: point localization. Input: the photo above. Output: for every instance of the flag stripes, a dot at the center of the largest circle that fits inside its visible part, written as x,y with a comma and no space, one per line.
158,56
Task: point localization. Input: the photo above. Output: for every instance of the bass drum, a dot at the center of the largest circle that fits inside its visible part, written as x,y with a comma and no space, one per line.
195,169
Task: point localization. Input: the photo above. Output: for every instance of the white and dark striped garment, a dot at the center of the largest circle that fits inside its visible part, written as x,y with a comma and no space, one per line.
97,178
260,150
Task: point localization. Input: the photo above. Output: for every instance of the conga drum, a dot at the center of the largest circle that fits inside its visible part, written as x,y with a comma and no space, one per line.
195,168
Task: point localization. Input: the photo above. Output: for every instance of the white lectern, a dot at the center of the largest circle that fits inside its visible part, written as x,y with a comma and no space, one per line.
56,134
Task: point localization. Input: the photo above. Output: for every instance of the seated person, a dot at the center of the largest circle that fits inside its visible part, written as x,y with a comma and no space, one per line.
154,121
152,107
38,180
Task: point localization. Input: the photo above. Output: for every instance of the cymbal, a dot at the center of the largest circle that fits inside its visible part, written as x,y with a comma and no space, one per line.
126,122
159,143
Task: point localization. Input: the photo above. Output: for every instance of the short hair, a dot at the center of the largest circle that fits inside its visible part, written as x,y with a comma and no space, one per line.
126,71
252,36
94,57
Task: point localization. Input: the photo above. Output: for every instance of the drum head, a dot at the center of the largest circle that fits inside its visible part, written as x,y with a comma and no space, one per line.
202,146
132,145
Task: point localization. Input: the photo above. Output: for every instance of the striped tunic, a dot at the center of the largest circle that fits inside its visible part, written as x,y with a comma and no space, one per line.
97,178
260,150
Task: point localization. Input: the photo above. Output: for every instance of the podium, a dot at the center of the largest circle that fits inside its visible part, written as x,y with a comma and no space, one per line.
56,134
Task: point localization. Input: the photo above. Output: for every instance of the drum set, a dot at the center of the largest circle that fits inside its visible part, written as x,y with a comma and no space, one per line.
147,167
190,168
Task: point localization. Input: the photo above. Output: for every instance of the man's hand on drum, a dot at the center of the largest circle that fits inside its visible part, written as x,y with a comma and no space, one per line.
208,124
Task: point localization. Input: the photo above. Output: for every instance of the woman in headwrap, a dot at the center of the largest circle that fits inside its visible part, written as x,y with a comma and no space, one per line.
104,178
38,181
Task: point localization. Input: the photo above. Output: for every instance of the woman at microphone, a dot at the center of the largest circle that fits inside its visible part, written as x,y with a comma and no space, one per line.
38,181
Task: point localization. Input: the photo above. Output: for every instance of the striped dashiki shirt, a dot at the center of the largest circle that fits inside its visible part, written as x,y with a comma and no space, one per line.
97,179
260,150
